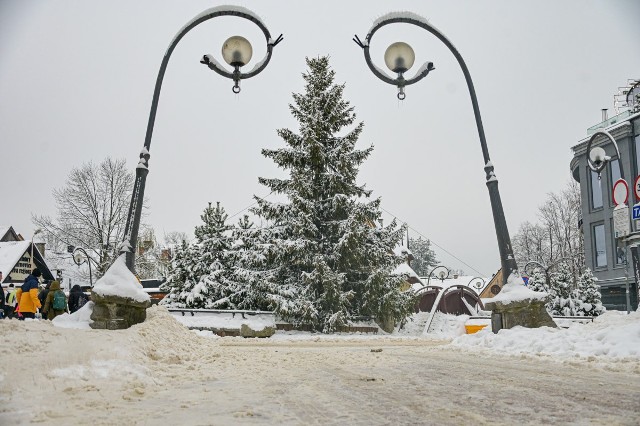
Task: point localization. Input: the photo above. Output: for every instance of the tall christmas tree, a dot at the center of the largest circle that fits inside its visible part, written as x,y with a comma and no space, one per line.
588,296
323,261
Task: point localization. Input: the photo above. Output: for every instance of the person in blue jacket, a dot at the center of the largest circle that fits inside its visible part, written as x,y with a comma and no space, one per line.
27,294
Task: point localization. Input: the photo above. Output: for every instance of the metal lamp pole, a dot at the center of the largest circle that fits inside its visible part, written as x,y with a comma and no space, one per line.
33,263
237,52
78,261
399,59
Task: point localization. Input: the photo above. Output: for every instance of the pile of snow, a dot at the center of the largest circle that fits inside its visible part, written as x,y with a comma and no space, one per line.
515,290
81,319
443,326
119,281
611,336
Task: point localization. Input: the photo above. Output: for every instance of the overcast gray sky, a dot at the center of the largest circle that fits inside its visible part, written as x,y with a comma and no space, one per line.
77,77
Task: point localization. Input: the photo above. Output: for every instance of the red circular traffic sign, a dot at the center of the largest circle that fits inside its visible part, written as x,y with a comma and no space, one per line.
620,192
636,188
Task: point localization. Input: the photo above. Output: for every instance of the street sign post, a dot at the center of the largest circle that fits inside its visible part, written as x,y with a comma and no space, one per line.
621,221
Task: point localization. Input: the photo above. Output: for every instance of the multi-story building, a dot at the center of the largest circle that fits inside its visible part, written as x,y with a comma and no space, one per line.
604,253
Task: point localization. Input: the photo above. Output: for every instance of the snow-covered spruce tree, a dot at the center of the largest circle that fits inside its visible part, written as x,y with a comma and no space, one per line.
245,285
182,276
561,301
588,296
538,280
215,239
424,258
208,265
323,261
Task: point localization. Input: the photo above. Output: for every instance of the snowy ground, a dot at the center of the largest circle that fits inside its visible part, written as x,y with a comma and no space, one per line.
160,372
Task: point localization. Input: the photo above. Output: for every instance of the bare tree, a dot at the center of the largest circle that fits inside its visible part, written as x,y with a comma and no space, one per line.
557,235
91,210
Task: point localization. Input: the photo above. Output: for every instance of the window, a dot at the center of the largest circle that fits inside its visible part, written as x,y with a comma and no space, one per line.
599,242
596,191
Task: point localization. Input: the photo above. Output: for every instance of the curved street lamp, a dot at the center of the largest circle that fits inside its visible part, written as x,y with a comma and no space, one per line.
399,58
477,283
79,260
439,272
597,160
237,52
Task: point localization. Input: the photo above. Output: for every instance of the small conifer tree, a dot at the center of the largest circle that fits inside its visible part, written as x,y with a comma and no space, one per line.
561,301
588,296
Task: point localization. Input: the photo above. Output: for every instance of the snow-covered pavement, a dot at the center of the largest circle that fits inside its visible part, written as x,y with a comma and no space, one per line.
159,372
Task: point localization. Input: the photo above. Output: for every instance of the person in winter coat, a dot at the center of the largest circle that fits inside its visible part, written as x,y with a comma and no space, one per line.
50,302
77,298
42,295
11,301
27,294
3,308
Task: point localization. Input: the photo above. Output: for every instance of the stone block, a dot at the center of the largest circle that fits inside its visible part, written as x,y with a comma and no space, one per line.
117,313
246,331
530,313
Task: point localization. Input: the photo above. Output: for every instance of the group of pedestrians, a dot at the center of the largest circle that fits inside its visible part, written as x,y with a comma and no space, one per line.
29,301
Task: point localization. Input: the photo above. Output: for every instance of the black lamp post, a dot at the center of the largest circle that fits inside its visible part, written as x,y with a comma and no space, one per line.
597,160
440,272
237,52
79,260
399,58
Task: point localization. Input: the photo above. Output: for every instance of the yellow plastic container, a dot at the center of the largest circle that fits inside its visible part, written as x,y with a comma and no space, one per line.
474,328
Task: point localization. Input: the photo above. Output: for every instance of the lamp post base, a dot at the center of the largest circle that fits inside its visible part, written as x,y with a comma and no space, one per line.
530,313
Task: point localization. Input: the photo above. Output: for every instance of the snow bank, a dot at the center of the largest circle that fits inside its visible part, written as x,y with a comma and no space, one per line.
612,336
225,321
119,281
81,319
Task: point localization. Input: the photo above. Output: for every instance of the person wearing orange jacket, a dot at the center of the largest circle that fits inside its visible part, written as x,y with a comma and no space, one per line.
27,295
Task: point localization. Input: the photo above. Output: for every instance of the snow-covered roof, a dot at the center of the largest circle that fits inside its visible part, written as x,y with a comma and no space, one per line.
12,251
4,230
404,268
401,250
10,254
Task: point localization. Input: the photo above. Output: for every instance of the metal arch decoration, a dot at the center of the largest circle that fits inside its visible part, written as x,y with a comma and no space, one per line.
426,297
507,258
599,168
463,291
129,243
